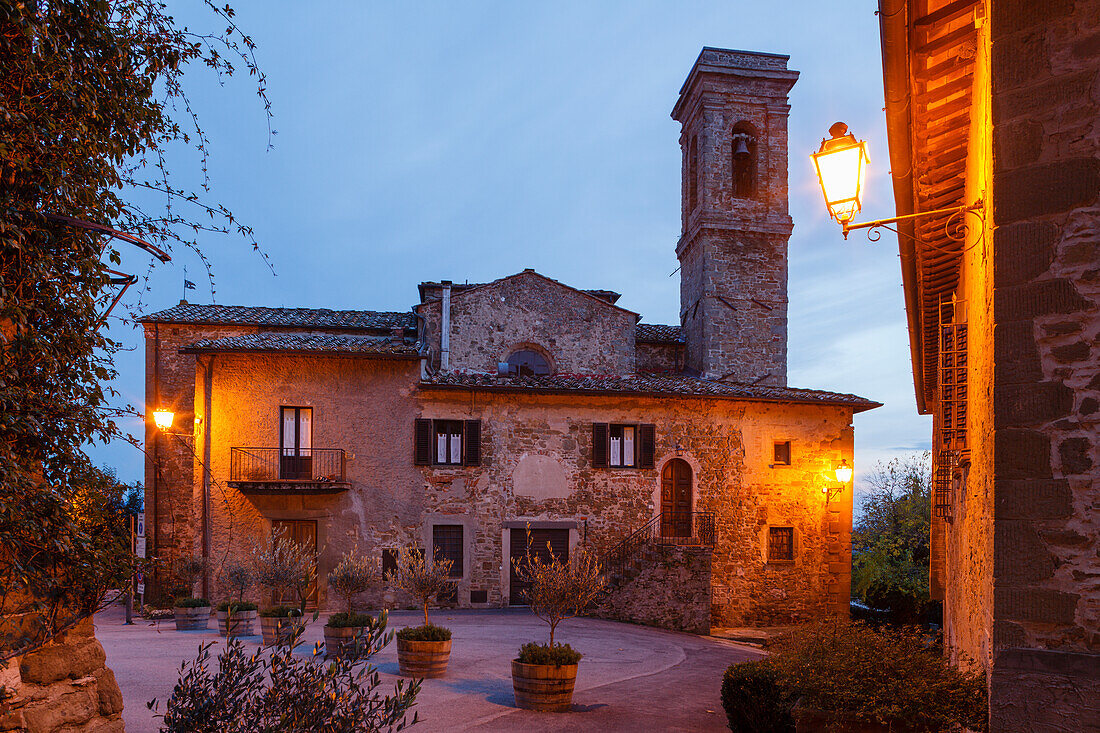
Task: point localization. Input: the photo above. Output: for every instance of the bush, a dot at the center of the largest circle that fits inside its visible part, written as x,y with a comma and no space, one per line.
281,612
354,575
755,700
557,655
344,620
427,632
888,675
190,603
236,606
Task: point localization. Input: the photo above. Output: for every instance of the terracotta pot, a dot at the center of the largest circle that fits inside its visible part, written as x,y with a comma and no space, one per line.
241,625
191,619
341,640
543,687
279,630
423,658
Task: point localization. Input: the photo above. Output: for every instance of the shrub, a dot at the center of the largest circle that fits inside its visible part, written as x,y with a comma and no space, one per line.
236,606
285,566
755,700
281,612
421,580
238,577
558,590
557,655
191,603
887,675
427,632
350,620
354,575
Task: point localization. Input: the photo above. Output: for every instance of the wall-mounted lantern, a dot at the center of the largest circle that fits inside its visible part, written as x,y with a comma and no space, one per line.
841,163
843,472
163,418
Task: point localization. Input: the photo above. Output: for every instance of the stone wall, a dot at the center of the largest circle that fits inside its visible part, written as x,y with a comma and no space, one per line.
670,589
659,358
63,687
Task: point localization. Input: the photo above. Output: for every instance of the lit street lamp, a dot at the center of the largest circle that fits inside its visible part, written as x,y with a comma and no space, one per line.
163,418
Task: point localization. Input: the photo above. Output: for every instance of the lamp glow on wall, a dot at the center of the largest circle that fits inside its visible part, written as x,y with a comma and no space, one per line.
163,418
843,474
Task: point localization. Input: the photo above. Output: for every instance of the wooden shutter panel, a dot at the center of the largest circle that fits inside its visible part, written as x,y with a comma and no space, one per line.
423,442
647,438
471,449
599,445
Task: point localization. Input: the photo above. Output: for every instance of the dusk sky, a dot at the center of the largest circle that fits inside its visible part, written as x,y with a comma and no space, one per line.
468,141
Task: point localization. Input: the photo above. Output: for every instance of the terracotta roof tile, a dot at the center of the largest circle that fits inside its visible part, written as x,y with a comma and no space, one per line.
322,343
284,317
654,333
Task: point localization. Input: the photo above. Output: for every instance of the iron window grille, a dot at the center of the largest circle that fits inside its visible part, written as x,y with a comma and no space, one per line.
780,544
447,545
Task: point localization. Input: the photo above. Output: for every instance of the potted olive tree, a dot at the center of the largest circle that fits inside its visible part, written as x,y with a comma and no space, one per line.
423,651
285,568
236,616
543,675
353,576
190,613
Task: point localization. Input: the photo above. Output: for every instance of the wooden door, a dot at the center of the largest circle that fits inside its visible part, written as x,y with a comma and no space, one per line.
559,544
676,499
302,532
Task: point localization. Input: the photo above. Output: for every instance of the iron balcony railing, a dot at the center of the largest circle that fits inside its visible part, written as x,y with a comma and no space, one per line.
668,528
271,465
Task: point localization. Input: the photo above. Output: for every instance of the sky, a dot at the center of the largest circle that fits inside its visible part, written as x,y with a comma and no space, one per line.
468,141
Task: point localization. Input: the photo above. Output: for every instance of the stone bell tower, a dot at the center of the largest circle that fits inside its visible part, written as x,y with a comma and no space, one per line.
733,246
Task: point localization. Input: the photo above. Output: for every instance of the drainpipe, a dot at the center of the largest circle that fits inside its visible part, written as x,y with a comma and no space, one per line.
156,441
445,330
207,384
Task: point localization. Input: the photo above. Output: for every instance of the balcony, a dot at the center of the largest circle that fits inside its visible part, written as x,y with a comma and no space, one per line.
278,471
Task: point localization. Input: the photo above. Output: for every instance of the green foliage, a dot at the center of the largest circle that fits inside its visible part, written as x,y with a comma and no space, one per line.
344,620
285,566
279,691
236,606
889,675
890,540
238,577
281,612
557,655
556,590
755,700
420,579
427,632
354,575
88,91
191,603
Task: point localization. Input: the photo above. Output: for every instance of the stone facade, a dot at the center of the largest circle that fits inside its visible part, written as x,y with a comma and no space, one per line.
667,587
433,442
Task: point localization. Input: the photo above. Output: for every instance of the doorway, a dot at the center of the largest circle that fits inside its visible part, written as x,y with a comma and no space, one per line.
676,490
301,532
296,444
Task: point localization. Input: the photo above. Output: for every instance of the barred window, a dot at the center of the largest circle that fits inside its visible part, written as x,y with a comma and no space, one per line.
447,541
780,544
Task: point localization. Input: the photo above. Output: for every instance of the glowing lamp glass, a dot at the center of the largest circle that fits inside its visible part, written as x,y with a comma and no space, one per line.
843,472
841,166
163,418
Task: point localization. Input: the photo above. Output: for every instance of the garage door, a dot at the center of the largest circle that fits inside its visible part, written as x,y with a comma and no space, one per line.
559,543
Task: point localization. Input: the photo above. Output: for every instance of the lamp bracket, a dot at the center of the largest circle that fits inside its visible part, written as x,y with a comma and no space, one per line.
831,494
954,227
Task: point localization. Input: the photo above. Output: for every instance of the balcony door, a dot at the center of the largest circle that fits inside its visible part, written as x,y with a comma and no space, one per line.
296,444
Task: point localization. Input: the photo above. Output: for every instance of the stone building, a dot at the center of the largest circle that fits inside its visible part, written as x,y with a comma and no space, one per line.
490,409
995,102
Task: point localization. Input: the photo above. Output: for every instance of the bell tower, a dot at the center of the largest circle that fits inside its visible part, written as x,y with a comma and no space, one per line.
734,222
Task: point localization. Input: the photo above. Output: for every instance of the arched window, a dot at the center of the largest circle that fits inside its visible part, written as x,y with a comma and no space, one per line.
527,363
743,161
693,174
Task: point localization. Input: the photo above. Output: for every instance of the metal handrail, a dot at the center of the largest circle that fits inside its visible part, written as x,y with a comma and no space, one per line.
276,465
669,528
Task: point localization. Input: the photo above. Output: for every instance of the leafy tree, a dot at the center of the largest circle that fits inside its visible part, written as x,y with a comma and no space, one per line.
285,566
92,105
558,590
354,575
421,580
890,541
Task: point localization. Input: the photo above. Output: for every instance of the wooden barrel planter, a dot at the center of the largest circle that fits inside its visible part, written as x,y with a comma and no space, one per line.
423,658
242,624
191,619
543,687
279,630
340,640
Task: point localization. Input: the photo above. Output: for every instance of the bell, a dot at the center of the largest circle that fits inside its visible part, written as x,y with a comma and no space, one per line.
741,147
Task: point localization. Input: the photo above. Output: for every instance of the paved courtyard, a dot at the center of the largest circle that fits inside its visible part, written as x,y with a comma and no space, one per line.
632,678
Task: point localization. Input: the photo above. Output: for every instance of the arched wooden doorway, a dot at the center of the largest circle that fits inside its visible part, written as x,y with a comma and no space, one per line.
676,499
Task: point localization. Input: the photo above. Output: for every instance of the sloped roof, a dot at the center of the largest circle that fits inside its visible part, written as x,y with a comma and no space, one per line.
644,385
324,343
653,333
429,286
607,297
242,315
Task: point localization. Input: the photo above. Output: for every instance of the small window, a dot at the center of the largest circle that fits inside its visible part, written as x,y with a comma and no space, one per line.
693,174
447,545
780,544
782,453
447,443
743,162
527,363
622,446
479,596
389,562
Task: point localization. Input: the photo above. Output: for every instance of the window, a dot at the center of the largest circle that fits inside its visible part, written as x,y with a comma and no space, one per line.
743,161
296,443
389,562
447,442
780,544
693,174
479,596
782,453
527,363
622,446
447,545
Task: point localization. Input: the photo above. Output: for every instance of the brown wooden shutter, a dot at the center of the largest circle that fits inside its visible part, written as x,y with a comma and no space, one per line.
647,438
423,442
599,445
471,449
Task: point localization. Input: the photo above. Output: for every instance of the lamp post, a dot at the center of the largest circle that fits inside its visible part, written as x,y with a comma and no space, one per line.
841,164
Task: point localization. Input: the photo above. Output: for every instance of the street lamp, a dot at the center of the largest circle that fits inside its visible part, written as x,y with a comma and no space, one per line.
843,472
841,164
163,418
